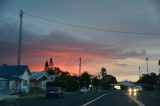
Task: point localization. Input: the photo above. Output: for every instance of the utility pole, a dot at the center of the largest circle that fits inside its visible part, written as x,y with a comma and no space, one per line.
139,72
147,63
79,66
20,39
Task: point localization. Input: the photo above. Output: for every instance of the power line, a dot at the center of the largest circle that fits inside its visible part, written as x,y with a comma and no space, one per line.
90,28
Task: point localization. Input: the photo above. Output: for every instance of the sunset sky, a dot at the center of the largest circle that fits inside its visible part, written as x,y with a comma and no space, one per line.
99,40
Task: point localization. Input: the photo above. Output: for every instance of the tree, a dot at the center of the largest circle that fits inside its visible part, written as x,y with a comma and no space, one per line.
107,81
103,72
85,79
57,71
54,71
65,80
148,81
64,75
72,83
46,67
95,82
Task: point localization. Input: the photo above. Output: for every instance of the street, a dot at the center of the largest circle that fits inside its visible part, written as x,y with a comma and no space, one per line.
107,98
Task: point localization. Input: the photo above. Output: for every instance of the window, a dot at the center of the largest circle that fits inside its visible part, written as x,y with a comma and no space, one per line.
24,82
4,84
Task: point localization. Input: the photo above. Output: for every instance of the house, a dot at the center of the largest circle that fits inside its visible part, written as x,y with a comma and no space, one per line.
14,78
38,80
122,85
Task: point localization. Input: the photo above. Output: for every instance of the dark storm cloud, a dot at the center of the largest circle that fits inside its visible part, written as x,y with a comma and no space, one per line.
56,42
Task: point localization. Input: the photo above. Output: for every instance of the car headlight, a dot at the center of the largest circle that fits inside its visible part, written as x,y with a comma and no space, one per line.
130,90
135,90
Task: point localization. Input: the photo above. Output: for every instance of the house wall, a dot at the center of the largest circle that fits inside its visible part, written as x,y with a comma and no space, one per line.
35,84
40,84
43,81
8,86
4,85
24,86
43,85
12,85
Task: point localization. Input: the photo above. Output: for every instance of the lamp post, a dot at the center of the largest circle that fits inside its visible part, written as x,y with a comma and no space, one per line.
99,78
139,72
147,63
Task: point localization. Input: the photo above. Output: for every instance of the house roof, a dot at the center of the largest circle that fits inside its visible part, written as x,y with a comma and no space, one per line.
38,75
126,83
9,77
13,70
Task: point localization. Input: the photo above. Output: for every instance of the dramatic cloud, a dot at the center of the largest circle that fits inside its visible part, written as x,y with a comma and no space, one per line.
134,53
43,39
58,43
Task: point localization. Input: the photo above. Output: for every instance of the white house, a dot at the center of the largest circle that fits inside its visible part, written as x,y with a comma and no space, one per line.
38,80
14,78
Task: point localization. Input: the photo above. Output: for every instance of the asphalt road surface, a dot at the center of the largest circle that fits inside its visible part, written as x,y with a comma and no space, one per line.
108,98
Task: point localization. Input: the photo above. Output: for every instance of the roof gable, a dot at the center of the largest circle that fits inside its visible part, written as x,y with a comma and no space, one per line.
38,75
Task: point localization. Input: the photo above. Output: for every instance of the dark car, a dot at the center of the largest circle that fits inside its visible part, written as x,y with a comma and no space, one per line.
54,92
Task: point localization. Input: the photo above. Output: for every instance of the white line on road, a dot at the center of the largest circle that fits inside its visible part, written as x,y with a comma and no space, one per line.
95,99
135,100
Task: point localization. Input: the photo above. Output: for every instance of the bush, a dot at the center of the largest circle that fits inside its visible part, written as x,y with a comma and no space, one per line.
148,87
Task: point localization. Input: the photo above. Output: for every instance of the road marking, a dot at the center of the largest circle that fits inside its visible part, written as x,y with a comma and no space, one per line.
95,99
135,100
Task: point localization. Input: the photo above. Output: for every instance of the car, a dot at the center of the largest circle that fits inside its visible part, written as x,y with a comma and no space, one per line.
83,90
54,92
9,100
139,88
135,89
132,90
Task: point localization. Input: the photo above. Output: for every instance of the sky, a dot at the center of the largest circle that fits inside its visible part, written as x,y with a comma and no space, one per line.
101,38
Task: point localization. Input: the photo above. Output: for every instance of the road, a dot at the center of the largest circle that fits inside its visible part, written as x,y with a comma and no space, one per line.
108,98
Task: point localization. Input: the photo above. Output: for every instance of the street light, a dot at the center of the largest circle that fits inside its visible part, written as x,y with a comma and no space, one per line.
139,72
147,63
